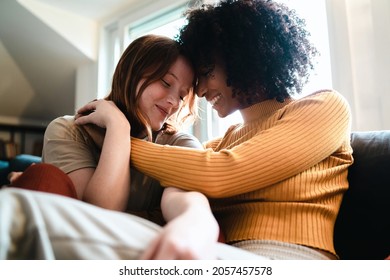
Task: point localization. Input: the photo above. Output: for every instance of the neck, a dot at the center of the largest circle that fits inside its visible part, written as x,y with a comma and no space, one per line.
144,135
262,109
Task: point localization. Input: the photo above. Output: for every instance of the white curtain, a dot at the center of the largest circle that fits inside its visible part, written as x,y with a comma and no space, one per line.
359,35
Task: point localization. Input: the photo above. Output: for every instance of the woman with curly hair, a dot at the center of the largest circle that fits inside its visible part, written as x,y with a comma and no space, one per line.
276,181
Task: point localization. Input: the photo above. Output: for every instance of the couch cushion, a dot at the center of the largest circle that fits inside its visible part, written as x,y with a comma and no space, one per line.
22,161
362,229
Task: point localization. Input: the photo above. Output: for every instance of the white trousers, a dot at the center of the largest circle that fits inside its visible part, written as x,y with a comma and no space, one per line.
36,225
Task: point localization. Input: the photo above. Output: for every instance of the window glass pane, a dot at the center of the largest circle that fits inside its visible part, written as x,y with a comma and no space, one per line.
167,24
170,29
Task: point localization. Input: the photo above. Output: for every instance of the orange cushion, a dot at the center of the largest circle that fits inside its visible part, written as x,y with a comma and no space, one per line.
46,178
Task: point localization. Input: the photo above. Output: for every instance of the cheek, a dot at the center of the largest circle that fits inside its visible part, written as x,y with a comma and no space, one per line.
142,103
153,93
146,99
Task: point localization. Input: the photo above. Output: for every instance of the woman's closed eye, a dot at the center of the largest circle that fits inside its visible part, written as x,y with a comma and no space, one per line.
207,71
165,83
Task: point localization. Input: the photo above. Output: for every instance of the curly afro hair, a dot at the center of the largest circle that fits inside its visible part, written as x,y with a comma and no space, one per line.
263,44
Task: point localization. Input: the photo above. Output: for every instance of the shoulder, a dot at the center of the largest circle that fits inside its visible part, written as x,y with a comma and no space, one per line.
179,139
328,95
321,108
65,128
60,125
326,99
62,121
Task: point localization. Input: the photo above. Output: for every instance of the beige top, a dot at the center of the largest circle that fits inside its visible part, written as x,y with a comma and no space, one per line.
69,147
279,176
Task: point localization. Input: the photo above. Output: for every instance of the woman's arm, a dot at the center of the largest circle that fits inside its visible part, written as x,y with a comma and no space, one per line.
191,231
108,185
307,132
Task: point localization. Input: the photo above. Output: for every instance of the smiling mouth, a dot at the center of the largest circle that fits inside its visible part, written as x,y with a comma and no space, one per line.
162,110
215,100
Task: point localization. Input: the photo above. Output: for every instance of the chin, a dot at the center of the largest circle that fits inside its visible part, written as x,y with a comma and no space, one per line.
222,114
157,127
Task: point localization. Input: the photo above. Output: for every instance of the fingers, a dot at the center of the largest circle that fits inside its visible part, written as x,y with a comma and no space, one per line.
12,176
160,250
91,107
82,119
166,249
82,113
149,252
102,113
87,108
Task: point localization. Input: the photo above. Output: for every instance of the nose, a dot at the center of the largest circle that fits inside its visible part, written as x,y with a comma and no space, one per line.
174,100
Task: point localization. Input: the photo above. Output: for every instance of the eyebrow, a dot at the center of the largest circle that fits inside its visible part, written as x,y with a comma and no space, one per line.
170,73
173,75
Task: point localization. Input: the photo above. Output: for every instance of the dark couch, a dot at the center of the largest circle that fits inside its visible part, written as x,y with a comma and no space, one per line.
362,229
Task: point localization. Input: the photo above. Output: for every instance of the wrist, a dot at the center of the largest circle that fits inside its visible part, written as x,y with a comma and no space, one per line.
203,216
120,126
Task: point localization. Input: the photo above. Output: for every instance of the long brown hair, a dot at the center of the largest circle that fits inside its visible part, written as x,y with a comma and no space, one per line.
148,57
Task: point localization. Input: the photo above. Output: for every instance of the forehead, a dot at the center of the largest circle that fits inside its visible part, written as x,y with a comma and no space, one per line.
182,70
181,62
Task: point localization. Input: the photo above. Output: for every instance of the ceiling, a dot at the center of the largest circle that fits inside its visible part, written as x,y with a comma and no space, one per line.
92,9
45,59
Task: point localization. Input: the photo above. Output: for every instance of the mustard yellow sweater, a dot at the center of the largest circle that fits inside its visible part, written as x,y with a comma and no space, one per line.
279,176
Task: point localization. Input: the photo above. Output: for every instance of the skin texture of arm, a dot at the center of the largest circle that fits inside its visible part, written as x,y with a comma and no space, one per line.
305,132
107,185
185,236
191,231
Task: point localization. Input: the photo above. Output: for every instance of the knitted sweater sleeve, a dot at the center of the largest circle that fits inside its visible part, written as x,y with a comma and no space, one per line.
308,131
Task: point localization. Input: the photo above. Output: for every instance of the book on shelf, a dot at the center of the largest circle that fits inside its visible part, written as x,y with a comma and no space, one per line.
8,149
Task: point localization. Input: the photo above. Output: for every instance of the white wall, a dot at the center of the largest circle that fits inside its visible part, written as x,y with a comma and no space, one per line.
86,84
79,31
15,90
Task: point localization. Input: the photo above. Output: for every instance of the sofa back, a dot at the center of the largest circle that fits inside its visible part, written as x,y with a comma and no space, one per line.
362,229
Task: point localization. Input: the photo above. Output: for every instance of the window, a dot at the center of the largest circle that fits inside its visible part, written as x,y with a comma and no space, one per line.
167,24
